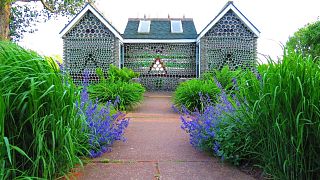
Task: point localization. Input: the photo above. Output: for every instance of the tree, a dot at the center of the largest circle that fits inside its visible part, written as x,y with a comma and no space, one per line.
4,19
15,19
306,40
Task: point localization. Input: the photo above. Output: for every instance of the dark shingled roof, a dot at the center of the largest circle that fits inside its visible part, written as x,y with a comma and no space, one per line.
160,29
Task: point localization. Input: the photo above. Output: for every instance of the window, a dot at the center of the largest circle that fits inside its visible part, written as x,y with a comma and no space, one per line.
144,26
176,26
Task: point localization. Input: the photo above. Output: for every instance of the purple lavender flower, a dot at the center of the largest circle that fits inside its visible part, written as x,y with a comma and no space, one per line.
258,75
216,147
103,127
235,84
203,126
117,101
218,83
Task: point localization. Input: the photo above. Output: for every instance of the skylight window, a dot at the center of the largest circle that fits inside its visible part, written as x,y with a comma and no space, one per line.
176,26
144,26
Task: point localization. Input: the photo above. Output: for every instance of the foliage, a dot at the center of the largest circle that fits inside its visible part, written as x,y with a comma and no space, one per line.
41,134
124,75
224,76
117,86
273,121
45,127
104,126
283,109
24,16
188,93
306,40
211,130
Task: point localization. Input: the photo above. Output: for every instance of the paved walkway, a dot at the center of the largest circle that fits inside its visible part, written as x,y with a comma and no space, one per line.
157,148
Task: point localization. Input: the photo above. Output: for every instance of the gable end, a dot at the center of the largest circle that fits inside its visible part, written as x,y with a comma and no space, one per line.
88,7
229,7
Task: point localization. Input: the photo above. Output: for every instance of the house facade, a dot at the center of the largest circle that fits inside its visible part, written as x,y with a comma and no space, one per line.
164,51
161,50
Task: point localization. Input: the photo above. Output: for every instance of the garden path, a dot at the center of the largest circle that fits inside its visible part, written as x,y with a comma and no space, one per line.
157,148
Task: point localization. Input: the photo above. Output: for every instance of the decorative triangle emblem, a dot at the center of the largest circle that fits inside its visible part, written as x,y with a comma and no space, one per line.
90,62
157,67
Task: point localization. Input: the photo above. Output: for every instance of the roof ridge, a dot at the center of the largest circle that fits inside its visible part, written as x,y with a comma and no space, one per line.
160,19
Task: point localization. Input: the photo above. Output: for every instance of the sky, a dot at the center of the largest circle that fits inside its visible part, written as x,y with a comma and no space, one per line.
276,19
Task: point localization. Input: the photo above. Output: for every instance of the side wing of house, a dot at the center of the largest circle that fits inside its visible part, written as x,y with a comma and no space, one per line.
230,39
89,44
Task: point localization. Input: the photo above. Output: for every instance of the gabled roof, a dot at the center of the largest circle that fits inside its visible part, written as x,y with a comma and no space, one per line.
78,17
160,30
229,6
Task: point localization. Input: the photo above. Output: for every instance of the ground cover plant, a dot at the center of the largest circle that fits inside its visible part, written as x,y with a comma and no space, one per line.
272,120
45,127
117,86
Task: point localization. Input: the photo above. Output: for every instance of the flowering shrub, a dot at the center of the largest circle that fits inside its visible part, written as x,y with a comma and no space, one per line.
104,124
275,124
207,128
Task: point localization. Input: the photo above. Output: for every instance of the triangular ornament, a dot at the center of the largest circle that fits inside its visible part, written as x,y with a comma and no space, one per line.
157,67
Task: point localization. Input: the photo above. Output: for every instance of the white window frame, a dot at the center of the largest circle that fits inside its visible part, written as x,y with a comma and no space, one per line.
140,26
180,23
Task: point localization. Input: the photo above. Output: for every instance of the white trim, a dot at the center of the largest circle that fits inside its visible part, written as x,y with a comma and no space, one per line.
159,40
238,13
119,53
141,22
79,16
199,55
180,26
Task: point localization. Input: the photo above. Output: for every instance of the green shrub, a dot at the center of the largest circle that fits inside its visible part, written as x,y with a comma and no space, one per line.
188,93
129,94
41,134
283,117
124,75
117,87
223,76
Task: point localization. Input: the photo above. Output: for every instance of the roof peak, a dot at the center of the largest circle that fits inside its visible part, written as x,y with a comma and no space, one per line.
160,19
90,7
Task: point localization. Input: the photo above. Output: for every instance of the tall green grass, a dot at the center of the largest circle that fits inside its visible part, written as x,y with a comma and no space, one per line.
40,134
283,112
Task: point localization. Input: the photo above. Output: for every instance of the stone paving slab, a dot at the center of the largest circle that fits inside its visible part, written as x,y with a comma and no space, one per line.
155,139
199,171
156,104
157,148
146,116
113,171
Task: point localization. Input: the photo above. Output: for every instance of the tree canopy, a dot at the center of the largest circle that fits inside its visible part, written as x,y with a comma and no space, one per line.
20,16
306,40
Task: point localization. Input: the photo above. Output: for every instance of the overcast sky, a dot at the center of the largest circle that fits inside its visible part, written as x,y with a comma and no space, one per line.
276,19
